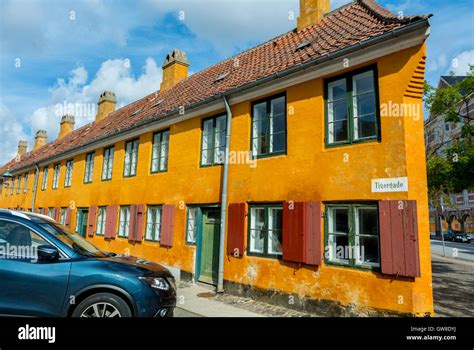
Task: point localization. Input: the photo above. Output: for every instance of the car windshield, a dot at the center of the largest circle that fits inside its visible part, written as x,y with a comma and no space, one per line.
74,241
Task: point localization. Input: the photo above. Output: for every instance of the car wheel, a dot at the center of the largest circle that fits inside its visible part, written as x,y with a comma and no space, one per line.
102,305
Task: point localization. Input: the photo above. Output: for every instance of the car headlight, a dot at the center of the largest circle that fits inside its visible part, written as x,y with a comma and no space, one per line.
156,282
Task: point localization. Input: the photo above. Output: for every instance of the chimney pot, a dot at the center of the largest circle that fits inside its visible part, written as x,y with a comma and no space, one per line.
40,139
312,12
175,69
106,105
22,148
66,125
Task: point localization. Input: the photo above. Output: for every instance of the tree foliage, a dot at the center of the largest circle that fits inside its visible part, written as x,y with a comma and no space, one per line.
451,101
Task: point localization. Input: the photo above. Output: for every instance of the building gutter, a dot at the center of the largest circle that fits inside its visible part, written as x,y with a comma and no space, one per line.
301,67
225,180
35,187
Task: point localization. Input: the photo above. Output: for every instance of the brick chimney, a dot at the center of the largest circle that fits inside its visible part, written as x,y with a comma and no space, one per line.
311,12
22,148
106,105
66,126
175,69
40,139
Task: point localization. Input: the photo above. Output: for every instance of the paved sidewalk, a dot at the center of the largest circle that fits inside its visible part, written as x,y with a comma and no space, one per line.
197,301
453,291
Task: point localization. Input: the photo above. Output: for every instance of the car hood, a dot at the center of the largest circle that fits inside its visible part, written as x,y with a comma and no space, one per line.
148,268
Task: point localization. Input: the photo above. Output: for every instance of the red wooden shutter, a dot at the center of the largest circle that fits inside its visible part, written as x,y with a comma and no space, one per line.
133,223
302,232
399,238
293,231
312,244
57,212
140,218
91,221
167,226
136,222
236,230
68,216
111,221
45,211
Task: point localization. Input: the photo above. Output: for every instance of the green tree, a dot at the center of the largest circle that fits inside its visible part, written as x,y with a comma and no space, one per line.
452,102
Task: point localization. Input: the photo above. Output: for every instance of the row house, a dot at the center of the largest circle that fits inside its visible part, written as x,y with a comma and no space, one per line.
278,173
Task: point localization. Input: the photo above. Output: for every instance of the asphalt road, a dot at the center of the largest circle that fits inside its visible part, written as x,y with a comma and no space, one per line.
463,251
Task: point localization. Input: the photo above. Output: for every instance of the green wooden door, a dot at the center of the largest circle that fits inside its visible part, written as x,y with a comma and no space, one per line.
209,246
81,224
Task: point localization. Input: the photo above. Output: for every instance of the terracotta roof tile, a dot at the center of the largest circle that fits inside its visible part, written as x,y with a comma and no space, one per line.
349,25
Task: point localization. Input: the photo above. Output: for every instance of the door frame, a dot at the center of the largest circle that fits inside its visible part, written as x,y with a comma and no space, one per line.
200,223
80,215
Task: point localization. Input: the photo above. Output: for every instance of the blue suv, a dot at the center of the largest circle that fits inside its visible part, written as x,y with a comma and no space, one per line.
47,271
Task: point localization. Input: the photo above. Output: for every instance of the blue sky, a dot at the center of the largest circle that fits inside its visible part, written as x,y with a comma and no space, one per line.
55,52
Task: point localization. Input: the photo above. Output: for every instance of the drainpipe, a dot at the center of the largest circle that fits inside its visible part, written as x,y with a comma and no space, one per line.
225,178
35,186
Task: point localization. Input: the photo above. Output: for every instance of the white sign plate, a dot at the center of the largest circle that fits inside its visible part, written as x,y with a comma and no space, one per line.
398,184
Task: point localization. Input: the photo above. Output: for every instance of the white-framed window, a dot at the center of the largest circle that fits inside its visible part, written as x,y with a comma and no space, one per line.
124,221
191,227
56,172
351,110
68,179
25,183
51,213
352,235
367,236
265,235
89,169
269,127
45,178
159,156
101,219
153,223
213,140
108,163
131,158
62,216
19,185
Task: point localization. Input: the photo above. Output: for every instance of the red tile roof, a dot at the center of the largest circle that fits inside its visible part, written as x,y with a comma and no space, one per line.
349,25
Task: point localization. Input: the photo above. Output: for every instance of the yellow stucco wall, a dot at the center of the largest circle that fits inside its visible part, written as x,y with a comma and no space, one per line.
308,172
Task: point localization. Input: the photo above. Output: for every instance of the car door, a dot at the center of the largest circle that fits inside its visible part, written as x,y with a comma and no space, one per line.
29,286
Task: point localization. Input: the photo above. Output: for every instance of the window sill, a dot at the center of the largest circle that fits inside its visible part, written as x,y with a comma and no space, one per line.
265,256
266,156
353,267
353,143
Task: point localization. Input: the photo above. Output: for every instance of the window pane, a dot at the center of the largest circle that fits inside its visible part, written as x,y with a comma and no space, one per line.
363,83
367,221
277,142
339,249
368,250
191,229
257,227
337,90
277,107
366,126
275,223
259,129
340,220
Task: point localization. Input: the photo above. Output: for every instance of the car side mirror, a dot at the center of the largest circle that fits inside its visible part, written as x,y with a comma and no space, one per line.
48,252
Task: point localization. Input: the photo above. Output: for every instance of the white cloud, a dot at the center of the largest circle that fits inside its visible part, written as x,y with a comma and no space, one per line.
11,131
460,64
74,96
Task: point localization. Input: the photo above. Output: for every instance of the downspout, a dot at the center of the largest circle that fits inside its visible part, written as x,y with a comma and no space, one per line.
35,186
225,178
